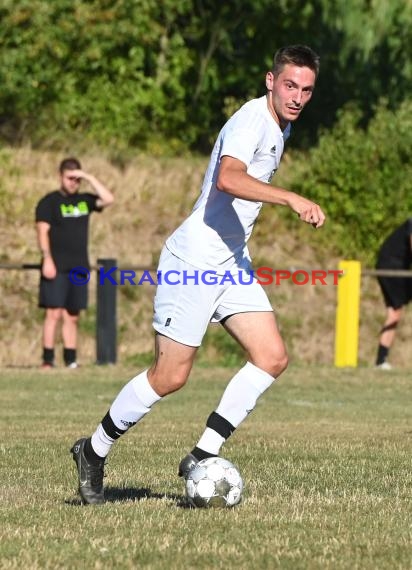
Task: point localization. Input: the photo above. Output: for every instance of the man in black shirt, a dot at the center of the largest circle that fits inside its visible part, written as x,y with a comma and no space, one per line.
395,253
62,222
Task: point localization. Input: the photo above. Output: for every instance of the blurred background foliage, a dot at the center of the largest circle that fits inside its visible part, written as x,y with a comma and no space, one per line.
150,73
161,76
361,176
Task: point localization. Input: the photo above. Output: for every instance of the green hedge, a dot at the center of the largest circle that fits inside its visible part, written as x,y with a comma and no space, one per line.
362,177
163,76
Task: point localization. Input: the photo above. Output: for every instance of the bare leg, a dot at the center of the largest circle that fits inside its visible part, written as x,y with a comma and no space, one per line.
172,366
51,320
387,336
388,332
259,335
69,329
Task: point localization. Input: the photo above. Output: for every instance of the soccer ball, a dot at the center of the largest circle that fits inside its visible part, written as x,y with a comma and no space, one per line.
214,482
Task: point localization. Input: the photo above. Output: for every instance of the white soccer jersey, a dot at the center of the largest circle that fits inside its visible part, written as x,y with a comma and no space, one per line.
214,236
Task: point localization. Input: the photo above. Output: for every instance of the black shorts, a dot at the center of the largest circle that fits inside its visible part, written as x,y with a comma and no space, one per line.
397,291
62,293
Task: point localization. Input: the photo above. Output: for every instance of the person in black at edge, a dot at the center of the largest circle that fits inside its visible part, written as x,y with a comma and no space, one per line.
395,253
62,223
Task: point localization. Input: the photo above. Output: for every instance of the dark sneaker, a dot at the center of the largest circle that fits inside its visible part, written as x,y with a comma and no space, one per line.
90,475
186,465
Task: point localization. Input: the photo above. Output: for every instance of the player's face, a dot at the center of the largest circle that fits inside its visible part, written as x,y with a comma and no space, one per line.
289,92
69,182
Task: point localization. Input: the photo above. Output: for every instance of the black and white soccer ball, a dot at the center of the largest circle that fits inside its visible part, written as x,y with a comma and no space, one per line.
214,482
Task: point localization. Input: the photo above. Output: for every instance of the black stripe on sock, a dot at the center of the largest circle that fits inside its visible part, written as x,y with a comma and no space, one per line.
69,355
90,453
110,428
382,355
48,355
201,454
220,425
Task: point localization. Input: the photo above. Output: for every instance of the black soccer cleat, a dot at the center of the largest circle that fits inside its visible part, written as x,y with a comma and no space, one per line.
186,465
90,475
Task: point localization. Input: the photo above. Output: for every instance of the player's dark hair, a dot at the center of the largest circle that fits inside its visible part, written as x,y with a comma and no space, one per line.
299,55
69,164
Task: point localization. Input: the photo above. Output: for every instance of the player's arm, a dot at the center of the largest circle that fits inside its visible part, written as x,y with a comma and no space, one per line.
43,238
104,196
234,179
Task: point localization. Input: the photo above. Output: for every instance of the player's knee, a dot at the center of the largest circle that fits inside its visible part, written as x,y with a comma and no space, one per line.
164,385
176,381
285,362
54,314
273,363
279,363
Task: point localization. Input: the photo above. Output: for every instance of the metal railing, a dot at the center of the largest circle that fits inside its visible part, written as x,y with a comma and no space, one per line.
106,300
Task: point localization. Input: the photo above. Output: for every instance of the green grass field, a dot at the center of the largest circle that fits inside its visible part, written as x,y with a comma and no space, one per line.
326,459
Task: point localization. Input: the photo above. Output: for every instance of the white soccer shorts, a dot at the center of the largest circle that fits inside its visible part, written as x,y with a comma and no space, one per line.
185,302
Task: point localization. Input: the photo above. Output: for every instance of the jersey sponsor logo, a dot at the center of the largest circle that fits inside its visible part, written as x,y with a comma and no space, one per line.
74,210
168,321
273,149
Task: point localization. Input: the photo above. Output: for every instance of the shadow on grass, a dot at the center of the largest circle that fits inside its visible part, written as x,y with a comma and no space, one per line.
122,494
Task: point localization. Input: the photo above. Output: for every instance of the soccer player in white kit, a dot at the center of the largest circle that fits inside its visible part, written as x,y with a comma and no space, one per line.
205,269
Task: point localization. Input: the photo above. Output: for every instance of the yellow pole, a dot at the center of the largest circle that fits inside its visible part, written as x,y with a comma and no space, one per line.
347,314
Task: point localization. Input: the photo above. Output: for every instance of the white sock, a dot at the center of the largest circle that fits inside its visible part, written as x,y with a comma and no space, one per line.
132,403
238,400
211,441
242,392
101,442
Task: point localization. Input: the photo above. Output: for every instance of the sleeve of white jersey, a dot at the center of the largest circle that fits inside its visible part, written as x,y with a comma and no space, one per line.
241,143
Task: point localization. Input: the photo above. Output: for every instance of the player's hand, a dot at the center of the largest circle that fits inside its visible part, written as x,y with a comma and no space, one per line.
307,210
48,268
80,174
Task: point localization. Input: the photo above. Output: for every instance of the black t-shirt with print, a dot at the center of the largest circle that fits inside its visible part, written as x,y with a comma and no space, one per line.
68,216
396,249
